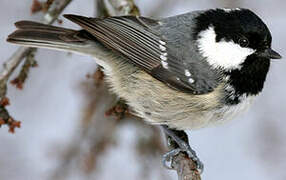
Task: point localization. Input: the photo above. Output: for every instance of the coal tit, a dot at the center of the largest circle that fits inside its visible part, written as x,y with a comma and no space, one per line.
183,72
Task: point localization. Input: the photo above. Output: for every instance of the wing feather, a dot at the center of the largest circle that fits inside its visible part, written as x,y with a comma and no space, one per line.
143,45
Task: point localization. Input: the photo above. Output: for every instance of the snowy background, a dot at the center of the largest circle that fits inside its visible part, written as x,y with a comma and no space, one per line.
49,106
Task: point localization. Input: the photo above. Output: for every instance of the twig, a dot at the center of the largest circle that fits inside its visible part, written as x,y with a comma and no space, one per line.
118,8
29,62
120,110
55,10
41,6
9,66
12,63
5,117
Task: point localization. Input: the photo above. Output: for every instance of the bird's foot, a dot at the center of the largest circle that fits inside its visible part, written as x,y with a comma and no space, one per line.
181,147
169,156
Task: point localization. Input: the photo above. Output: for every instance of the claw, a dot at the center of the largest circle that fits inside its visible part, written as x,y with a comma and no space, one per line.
192,155
168,158
181,146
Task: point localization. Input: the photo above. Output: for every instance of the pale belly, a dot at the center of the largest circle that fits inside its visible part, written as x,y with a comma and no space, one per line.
186,119
158,104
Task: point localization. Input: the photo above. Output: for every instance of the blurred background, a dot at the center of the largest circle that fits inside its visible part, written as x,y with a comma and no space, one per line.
64,136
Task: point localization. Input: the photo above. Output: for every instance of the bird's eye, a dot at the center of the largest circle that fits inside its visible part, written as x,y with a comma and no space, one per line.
243,42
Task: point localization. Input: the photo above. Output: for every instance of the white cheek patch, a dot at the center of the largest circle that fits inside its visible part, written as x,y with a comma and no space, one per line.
227,55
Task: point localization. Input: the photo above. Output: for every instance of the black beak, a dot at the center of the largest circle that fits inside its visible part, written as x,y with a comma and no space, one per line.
269,54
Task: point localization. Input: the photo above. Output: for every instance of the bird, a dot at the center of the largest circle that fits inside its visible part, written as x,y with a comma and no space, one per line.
184,72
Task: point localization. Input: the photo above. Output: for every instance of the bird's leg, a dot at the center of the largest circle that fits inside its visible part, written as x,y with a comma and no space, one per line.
178,141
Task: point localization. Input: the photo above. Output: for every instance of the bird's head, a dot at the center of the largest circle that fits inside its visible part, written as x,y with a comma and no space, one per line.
230,38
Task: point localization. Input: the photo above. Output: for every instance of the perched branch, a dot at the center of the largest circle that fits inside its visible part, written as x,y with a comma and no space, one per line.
12,63
185,167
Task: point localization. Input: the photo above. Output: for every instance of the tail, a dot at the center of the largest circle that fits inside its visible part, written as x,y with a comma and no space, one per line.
35,34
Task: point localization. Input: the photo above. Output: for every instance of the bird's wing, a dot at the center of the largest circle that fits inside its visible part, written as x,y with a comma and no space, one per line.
135,38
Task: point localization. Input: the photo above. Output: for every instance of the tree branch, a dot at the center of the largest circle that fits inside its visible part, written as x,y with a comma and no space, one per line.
185,167
13,62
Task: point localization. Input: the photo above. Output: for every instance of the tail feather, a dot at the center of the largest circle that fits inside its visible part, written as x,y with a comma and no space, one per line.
36,25
35,34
